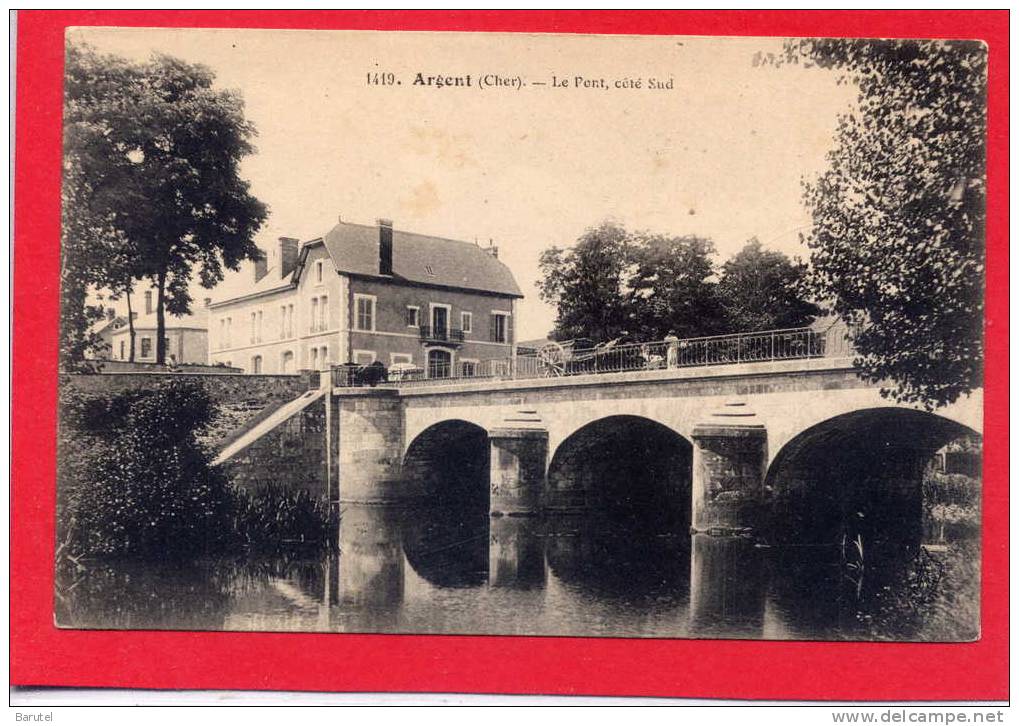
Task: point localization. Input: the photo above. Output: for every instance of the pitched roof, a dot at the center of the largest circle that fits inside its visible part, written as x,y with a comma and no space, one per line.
237,285
100,326
198,319
419,258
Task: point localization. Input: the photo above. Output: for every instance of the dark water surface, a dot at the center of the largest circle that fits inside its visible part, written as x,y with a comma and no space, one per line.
433,570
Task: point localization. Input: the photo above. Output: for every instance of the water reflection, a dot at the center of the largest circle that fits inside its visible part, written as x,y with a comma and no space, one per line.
727,587
433,570
516,553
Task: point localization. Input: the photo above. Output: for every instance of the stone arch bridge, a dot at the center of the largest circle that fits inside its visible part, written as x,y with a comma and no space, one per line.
731,439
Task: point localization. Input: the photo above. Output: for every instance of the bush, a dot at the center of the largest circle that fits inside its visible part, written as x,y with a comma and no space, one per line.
142,487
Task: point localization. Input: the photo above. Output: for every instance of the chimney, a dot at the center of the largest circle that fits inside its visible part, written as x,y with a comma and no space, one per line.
287,255
261,266
385,246
492,249
208,301
110,313
148,302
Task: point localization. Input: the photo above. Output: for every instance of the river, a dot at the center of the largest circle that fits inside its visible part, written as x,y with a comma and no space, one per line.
437,570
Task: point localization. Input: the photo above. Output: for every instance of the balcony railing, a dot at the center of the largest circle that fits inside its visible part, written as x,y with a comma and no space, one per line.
442,335
556,360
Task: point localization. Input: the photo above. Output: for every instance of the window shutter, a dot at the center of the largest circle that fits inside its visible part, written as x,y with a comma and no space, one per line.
491,327
509,329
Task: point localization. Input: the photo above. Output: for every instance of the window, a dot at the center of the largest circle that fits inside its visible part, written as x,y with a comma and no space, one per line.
468,368
258,328
256,364
364,357
500,327
146,347
413,316
287,362
122,350
325,357
252,327
314,359
318,272
283,322
440,320
323,312
290,321
365,317
466,322
439,363
314,314
229,330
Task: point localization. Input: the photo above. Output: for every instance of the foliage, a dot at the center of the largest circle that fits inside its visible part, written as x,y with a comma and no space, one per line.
151,182
135,483
146,490
935,598
763,290
586,283
670,288
277,517
898,218
613,280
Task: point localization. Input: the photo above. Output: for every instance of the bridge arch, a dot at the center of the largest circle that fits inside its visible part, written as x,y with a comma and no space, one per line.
449,464
624,465
861,469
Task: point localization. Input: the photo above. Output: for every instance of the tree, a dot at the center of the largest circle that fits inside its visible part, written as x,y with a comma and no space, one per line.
671,288
763,290
897,241
613,280
586,284
152,151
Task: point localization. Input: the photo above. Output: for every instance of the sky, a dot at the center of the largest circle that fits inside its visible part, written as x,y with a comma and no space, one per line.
720,154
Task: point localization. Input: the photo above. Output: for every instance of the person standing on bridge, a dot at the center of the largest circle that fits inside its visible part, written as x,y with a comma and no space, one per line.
672,351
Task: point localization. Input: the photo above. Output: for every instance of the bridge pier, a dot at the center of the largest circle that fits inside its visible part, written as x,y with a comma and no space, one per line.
729,466
518,457
370,448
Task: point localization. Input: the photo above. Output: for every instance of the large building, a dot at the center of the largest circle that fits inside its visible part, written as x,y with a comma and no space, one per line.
362,294
186,335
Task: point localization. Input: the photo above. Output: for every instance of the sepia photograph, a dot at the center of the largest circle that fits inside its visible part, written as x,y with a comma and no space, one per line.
521,334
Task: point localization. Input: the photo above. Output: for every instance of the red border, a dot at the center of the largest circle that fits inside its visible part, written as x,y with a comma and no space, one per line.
43,655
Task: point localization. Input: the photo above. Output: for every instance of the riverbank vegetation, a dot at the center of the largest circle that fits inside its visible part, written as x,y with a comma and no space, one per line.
135,483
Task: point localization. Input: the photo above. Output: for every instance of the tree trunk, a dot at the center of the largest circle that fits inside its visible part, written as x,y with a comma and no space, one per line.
160,318
130,324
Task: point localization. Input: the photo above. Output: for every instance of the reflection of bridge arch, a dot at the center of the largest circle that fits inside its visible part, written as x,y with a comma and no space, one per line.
625,464
865,465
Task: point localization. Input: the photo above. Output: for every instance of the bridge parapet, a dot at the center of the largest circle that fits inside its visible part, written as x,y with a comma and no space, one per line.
563,360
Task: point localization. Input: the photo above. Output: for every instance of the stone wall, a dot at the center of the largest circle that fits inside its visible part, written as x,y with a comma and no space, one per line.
291,456
239,398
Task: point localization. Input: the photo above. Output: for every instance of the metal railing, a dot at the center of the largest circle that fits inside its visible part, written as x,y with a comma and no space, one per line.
554,360
445,335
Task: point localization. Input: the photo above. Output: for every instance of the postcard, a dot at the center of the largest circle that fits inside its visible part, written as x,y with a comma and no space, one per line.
674,340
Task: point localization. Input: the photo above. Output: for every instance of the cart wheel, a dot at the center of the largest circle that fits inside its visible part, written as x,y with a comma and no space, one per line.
552,360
